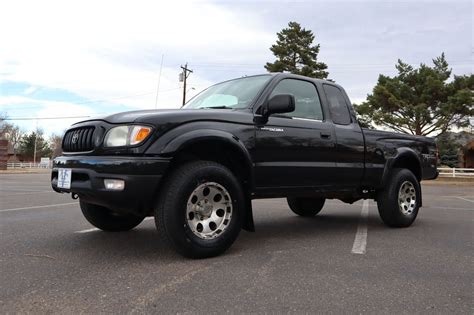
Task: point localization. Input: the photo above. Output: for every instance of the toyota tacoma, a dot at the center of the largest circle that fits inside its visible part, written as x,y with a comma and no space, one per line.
196,169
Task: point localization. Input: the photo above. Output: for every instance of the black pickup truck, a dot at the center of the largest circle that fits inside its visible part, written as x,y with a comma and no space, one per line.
196,169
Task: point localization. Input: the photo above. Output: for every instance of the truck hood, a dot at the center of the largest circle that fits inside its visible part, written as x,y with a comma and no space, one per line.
133,116
171,117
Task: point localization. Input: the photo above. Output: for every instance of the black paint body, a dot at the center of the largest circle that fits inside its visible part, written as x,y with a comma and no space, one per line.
276,156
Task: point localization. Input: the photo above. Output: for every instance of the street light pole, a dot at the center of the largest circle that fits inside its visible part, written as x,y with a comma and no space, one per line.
34,152
36,138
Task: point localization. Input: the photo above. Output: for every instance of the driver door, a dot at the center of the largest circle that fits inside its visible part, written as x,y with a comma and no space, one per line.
295,149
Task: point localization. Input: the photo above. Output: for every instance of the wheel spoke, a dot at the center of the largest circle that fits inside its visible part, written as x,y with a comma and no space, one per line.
199,193
205,224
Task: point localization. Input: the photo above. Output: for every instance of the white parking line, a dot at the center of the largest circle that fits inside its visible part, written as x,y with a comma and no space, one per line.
38,207
28,193
450,208
96,229
88,230
360,241
22,189
465,199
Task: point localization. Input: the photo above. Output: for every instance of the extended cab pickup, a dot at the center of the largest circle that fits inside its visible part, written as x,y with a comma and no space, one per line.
196,169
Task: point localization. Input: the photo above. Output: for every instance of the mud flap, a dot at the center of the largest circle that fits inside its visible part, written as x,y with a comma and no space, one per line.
421,195
248,219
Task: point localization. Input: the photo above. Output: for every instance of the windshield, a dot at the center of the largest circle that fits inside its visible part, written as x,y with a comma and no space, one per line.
232,94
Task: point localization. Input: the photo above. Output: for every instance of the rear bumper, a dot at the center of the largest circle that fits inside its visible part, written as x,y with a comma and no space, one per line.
142,176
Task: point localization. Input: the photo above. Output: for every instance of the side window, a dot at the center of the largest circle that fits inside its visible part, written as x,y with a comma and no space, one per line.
337,105
307,103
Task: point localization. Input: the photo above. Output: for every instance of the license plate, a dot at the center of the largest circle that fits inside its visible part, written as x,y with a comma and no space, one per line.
64,178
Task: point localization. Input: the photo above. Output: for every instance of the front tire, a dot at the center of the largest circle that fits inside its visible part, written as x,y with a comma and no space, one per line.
399,202
108,220
200,210
306,207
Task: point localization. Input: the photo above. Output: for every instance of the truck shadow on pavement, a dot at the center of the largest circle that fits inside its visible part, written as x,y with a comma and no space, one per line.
144,241
324,225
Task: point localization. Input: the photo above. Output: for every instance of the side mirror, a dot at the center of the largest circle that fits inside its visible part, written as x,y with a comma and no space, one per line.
281,103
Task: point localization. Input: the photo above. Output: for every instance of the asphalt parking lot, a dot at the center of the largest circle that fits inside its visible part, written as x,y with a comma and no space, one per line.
52,260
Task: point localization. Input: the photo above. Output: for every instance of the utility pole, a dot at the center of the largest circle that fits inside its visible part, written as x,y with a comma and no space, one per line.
184,75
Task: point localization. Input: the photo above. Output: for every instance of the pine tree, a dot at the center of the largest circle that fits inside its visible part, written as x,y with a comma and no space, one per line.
420,101
296,53
27,145
448,151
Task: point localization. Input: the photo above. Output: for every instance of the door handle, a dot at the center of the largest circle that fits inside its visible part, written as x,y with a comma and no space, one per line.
325,135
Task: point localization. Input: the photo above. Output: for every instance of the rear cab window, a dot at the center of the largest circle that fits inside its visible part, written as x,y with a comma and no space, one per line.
338,107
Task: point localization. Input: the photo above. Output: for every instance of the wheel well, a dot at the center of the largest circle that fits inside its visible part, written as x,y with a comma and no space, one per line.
410,163
225,153
220,152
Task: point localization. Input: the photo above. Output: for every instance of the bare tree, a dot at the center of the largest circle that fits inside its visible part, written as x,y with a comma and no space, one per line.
55,142
14,135
4,126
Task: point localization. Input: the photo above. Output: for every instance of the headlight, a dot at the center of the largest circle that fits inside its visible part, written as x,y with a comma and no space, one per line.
126,135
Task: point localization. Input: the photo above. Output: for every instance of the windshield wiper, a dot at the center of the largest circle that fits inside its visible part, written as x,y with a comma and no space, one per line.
218,107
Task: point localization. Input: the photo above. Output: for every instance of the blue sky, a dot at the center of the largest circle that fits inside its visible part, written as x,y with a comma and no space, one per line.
61,59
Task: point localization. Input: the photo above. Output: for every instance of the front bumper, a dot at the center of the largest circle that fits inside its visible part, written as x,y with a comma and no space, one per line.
142,176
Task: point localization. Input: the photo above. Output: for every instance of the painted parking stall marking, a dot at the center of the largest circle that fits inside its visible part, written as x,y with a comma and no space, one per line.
360,241
465,199
39,207
87,231
96,229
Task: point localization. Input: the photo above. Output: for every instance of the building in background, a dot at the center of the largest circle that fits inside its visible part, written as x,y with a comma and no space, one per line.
3,154
466,156
458,146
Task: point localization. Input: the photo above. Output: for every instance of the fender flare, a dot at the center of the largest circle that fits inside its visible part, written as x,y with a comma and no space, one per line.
192,137
402,153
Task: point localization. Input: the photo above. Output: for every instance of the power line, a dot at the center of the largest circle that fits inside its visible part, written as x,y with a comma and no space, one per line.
336,68
98,100
121,97
237,64
44,118
159,79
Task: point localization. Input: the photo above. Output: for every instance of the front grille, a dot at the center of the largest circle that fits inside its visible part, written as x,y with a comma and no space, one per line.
79,140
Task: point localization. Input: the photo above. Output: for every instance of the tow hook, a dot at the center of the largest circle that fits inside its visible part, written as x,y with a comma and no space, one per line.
74,196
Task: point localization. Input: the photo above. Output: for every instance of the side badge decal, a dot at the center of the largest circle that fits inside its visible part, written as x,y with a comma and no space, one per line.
272,129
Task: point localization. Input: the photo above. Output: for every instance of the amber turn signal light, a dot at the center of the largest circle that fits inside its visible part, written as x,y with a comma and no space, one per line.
138,134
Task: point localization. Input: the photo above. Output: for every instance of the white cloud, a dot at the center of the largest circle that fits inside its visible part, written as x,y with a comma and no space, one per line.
111,49
30,90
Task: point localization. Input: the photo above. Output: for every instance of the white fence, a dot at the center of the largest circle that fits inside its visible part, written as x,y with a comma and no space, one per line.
456,172
20,165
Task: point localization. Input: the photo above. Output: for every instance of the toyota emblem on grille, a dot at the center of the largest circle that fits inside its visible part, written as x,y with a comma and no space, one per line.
75,137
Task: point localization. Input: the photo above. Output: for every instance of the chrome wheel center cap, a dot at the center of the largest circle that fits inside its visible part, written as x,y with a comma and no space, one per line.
207,209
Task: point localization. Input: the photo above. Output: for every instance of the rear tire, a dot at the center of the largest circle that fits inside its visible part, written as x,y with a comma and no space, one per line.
107,220
306,207
200,209
399,202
